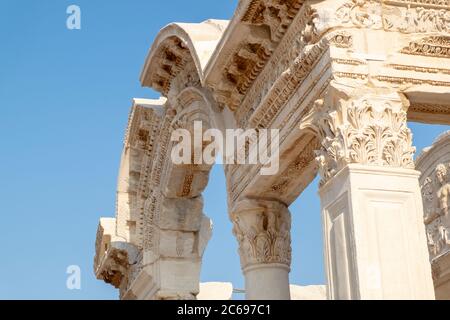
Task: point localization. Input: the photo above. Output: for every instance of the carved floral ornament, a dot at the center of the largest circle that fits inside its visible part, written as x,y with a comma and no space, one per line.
364,127
262,229
430,46
436,196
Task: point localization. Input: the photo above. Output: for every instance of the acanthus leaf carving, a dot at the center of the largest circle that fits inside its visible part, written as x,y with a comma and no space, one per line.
262,229
362,128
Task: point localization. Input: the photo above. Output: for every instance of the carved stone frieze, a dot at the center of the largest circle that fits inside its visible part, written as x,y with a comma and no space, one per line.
288,82
436,4
296,167
399,81
417,19
151,204
435,46
142,131
401,16
241,177
361,13
403,67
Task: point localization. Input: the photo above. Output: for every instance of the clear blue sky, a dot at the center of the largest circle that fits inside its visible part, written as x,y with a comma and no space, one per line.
64,102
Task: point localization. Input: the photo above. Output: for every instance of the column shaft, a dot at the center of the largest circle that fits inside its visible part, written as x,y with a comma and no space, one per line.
267,282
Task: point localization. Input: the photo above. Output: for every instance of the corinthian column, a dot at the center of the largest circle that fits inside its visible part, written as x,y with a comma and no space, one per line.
262,229
375,243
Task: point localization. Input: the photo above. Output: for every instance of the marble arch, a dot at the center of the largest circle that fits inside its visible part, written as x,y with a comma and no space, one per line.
339,79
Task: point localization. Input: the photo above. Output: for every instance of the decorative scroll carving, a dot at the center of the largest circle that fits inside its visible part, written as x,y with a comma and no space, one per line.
436,4
341,39
430,46
363,128
361,13
262,229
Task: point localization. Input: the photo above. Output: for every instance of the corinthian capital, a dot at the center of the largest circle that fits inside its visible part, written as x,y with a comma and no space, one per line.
262,229
361,125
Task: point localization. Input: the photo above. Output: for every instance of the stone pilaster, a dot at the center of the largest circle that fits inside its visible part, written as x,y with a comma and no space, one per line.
374,236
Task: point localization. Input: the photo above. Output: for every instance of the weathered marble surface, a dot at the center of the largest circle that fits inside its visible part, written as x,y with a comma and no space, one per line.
434,163
339,79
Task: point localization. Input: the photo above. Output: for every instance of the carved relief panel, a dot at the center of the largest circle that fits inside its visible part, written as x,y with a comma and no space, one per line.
435,184
434,163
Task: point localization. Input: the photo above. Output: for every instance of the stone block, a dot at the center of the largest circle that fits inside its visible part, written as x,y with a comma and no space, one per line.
181,214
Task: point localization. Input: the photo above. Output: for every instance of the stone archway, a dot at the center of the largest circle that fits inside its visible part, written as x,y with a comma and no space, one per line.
338,79
153,248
